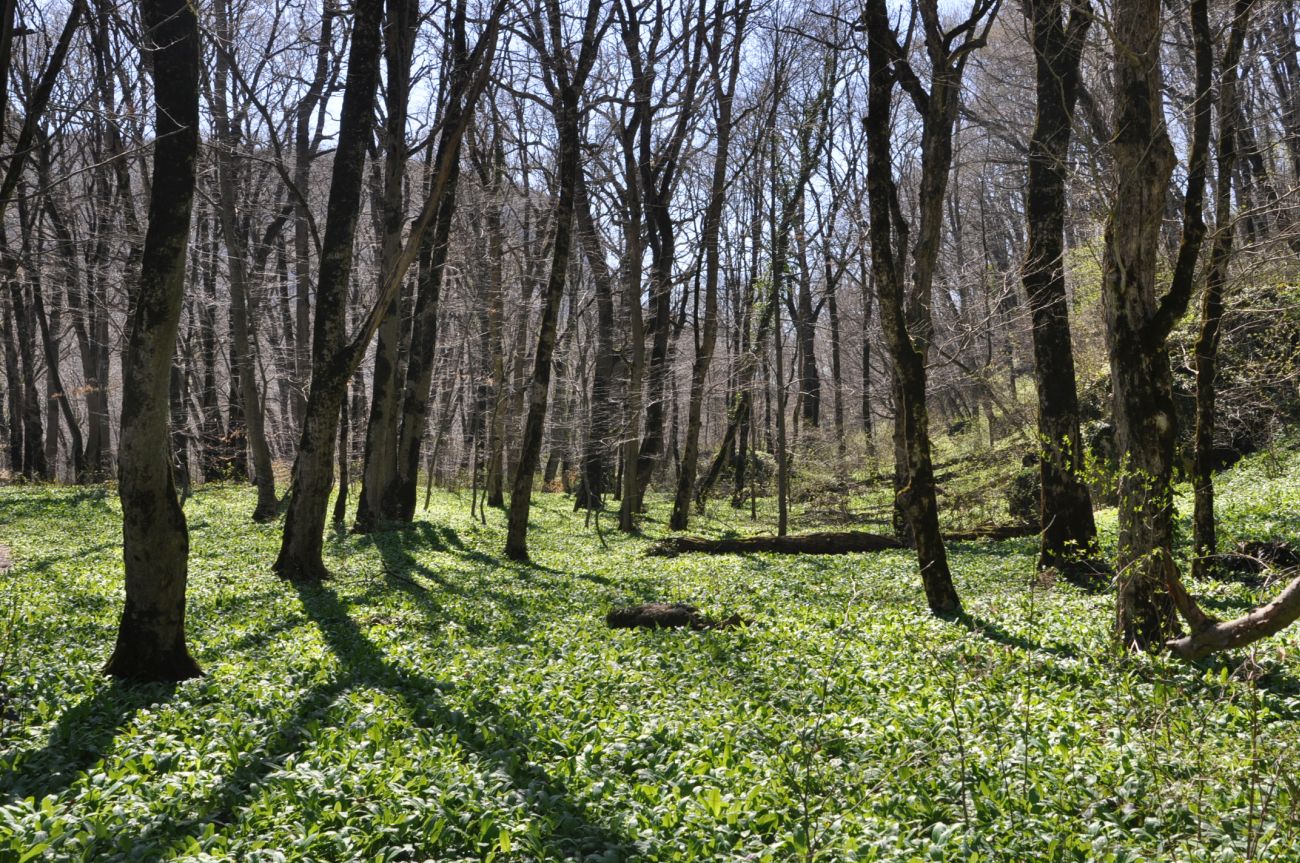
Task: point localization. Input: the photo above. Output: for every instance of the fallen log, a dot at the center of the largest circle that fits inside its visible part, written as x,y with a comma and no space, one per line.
829,542
994,532
664,615
806,543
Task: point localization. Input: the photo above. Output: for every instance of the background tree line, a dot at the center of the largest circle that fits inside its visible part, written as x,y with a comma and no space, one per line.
708,250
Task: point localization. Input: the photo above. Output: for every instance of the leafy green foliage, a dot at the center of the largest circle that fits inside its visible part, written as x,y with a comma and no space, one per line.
437,702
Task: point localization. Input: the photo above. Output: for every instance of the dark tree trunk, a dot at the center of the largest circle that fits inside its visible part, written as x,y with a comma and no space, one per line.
494,486
712,262
51,327
468,78
837,371
300,557
868,294
155,543
380,468
14,385
215,458
33,465
907,325
1206,350
1137,327
1065,508
424,345
304,152
569,78
594,477
805,324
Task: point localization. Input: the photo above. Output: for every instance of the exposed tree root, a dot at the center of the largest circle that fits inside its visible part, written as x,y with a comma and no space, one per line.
1209,635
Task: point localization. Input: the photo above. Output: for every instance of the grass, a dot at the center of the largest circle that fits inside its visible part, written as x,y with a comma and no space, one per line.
437,702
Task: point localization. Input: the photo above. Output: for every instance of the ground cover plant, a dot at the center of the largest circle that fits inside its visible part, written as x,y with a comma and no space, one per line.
434,701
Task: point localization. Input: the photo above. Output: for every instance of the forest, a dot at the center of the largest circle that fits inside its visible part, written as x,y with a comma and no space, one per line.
650,430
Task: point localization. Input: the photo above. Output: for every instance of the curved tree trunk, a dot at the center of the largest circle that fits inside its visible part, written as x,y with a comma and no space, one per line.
155,541
300,557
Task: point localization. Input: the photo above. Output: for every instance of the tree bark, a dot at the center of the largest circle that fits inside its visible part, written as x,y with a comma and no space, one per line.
300,557
468,79
1137,327
569,78
712,227
304,152
907,325
1065,509
1209,635
151,635
845,542
380,470
1206,349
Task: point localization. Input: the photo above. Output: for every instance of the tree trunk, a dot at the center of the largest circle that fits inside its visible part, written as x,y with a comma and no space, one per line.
380,467
566,122
494,486
151,634
237,268
1206,350
1139,358
712,264
1065,508
907,330
14,385
33,454
300,557
600,426
868,293
304,152
569,81
51,327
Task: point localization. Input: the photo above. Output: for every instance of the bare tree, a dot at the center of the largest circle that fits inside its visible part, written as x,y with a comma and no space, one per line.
155,540
566,78
906,321
1069,533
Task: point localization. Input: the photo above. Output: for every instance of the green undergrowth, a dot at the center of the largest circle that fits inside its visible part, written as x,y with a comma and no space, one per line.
434,701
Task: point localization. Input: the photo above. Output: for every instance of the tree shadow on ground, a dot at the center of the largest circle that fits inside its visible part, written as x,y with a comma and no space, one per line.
80,737
43,505
488,732
47,564
996,632
398,551
253,641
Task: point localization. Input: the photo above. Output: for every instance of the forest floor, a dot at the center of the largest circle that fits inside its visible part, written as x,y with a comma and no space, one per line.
436,702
